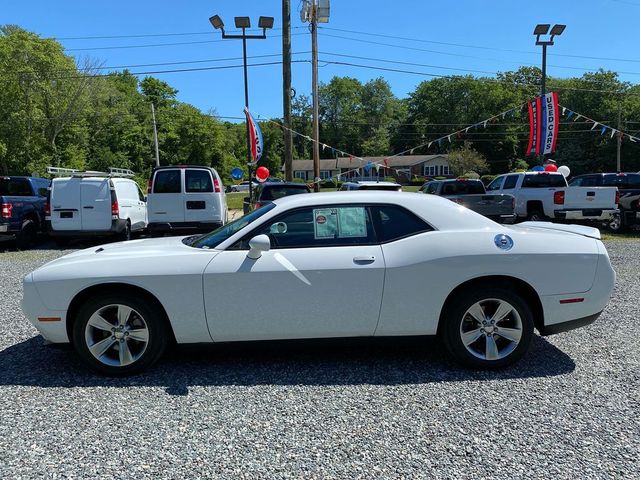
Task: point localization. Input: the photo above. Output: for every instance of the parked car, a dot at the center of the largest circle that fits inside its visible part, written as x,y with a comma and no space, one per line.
241,187
628,184
185,198
369,185
23,201
471,193
546,196
482,287
95,204
267,192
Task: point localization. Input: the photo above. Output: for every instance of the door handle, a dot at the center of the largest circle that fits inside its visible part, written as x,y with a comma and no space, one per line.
364,259
87,207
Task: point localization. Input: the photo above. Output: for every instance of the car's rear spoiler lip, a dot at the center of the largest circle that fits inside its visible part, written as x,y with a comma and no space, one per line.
585,231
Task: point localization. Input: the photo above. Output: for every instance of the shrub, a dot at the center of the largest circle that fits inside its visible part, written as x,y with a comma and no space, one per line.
487,179
298,180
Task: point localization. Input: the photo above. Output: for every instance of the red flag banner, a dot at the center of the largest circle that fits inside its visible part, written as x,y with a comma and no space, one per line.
544,123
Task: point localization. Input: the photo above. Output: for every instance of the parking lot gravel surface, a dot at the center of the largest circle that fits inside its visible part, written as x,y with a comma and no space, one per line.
341,409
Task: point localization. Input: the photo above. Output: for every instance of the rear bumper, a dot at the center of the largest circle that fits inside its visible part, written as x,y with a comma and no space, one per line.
506,218
165,227
593,215
570,325
117,226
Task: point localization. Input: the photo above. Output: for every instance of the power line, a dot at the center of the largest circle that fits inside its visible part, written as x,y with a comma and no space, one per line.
150,45
586,57
151,35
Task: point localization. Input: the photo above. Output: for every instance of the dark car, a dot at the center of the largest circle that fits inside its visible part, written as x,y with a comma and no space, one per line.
629,192
267,192
24,205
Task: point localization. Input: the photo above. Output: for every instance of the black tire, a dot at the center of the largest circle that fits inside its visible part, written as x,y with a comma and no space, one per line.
536,216
618,224
153,319
125,234
27,236
61,242
456,319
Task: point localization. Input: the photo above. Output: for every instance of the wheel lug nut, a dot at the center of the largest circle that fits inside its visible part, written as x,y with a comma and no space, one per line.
113,337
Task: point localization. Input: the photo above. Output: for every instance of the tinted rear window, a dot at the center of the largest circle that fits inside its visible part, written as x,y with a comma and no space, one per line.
629,180
15,187
197,181
274,192
462,188
167,181
543,181
394,223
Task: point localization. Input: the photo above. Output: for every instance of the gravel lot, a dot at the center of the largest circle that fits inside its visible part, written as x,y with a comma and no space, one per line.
327,409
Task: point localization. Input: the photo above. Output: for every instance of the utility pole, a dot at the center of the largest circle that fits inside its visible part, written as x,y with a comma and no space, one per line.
314,87
286,89
155,134
618,167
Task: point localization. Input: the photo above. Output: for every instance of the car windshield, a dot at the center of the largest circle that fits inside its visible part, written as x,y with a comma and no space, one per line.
275,192
215,238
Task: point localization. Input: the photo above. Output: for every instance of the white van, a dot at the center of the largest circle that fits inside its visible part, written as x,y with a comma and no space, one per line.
86,204
185,198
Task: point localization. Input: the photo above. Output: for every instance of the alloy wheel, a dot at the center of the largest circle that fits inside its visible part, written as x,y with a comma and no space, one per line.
491,329
117,335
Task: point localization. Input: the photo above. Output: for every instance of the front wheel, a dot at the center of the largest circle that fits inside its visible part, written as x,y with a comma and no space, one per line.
488,328
26,238
125,235
119,335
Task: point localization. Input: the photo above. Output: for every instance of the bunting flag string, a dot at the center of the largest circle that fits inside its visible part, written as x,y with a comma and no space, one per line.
335,151
604,128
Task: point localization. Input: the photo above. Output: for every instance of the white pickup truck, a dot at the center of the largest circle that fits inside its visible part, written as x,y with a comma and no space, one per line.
545,196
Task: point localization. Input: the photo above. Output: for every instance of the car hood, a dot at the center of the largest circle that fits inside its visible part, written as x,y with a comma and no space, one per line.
148,247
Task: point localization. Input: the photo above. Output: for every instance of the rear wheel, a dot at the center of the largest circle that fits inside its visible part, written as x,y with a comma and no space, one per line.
536,216
26,238
488,328
126,233
618,224
119,335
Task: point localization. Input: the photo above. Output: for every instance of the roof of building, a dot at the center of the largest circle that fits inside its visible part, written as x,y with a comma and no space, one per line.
405,161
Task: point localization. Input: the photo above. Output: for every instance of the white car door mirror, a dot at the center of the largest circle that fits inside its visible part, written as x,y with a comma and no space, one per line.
257,245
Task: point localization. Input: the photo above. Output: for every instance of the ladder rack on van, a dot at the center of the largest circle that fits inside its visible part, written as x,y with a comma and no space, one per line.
71,172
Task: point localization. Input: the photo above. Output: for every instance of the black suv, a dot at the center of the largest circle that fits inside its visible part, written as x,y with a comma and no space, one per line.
267,192
629,189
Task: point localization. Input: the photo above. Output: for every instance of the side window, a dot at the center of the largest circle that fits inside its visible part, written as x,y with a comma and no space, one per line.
167,181
140,194
197,181
317,227
633,181
393,223
432,188
576,182
495,184
510,182
590,181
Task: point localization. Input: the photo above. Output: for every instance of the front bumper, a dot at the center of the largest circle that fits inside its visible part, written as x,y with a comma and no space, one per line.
506,218
50,323
585,214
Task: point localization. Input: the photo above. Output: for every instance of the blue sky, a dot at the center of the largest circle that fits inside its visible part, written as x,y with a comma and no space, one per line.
441,37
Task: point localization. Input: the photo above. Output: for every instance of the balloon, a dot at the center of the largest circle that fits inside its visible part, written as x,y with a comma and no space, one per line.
538,168
550,168
237,173
262,173
564,170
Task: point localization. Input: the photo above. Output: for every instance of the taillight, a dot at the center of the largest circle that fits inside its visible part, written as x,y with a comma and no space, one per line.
115,208
149,185
47,209
216,185
617,197
7,209
258,204
558,197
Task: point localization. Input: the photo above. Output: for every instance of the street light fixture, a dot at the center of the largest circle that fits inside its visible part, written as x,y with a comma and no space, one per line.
243,23
540,30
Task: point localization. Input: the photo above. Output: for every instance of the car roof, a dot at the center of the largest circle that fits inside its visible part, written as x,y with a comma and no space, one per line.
440,212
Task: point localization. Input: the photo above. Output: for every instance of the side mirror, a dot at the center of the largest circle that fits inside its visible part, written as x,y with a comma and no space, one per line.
257,245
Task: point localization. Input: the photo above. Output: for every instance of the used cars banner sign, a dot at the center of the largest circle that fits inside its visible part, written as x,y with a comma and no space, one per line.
255,136
543,124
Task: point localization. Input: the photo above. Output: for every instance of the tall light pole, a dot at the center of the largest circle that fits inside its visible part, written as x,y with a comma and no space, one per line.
243,23
542,29
314,12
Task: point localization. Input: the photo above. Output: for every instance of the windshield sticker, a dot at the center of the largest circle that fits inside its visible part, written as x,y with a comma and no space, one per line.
325,222
352,222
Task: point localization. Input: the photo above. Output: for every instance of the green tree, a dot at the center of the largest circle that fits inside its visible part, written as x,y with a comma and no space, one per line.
465,160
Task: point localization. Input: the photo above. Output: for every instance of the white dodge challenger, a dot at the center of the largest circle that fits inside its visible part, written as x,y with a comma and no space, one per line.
343,264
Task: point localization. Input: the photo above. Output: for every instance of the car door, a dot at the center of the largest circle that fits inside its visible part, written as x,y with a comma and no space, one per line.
199,204
95,202
165,202
323,277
